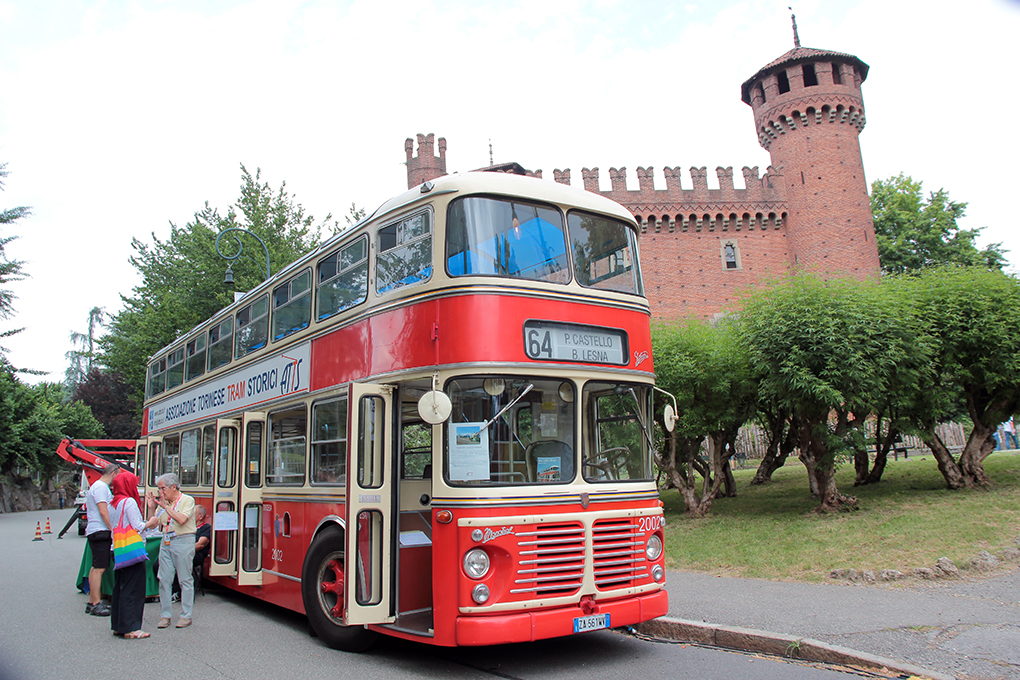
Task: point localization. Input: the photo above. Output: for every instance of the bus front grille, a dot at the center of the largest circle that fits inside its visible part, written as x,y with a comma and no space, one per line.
619,553
551,560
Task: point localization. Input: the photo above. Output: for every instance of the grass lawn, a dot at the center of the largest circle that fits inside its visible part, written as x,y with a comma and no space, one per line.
907,520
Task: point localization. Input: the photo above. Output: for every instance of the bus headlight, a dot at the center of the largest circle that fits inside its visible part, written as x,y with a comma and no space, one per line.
476,563
480,593
658,573
653,548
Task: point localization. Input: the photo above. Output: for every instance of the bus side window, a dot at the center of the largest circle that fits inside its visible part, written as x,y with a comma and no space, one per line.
189,457
286,450
329,441
171,456
405,253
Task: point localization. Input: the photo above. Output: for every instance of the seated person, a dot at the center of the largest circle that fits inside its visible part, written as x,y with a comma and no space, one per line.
203,535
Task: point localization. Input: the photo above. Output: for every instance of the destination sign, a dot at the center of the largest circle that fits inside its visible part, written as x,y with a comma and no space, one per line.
545,340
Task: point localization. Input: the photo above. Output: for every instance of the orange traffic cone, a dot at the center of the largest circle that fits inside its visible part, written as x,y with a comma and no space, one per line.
47,526
38,531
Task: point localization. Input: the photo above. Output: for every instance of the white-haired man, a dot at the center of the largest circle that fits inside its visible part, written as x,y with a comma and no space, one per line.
176,518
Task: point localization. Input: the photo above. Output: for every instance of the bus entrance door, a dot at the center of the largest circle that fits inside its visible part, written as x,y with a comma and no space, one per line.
250,500
370,507
225,495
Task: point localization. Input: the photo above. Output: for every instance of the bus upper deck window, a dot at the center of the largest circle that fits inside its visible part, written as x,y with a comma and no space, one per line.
605,253
221,343
342,280
194,365
492,237
252,327
292,305
405,253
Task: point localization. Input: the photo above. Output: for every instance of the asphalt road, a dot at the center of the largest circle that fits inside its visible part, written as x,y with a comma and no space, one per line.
46,635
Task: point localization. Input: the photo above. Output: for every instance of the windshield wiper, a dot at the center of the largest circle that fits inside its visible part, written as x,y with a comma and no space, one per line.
520,396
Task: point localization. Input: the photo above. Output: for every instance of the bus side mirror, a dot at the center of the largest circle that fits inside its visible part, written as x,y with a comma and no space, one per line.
434,407
669,417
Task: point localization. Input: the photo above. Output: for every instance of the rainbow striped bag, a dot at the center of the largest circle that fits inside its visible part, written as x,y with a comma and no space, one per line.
128,546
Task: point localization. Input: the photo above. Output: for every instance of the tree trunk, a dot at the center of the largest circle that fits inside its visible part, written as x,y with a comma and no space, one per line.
829,497
782,441
882,446
947,466
861,463
979,445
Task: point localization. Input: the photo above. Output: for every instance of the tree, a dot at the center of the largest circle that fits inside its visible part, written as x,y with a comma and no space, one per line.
10,270
106,394
967,316
182,277
705,368
83,352
33,420
825,351
914,233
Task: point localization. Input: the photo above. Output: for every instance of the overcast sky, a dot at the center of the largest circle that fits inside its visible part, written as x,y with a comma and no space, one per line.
119,118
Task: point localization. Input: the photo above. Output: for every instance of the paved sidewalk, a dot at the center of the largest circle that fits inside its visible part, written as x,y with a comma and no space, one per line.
962,628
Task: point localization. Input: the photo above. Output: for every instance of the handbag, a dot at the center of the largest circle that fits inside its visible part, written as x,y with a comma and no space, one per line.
128,545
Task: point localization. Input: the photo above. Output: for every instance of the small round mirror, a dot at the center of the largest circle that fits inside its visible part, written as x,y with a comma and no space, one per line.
434,407
494,386
566,392
669,417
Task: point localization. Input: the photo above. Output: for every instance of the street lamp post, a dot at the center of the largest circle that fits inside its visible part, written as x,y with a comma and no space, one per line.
229,276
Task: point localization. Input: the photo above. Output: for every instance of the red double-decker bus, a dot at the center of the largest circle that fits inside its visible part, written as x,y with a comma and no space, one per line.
436,426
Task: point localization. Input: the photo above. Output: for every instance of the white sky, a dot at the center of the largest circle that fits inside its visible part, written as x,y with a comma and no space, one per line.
120,117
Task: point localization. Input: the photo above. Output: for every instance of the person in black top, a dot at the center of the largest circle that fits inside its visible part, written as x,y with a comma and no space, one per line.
203,536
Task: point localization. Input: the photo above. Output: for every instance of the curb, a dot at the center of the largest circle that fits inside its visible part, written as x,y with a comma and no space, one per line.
776,644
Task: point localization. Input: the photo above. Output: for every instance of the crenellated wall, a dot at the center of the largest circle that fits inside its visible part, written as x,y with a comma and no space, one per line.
701,248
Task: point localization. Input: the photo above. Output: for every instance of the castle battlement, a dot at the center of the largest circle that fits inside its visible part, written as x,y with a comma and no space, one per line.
809,210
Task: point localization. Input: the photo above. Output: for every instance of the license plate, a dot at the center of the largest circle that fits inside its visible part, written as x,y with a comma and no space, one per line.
593,622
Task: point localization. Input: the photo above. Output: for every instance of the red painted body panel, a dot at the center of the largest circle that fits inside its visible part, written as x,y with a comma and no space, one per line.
559,622
470,328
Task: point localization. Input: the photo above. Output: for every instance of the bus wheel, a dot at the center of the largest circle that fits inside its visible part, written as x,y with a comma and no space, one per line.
322,588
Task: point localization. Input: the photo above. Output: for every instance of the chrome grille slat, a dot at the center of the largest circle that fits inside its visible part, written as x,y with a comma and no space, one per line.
618,552
554,561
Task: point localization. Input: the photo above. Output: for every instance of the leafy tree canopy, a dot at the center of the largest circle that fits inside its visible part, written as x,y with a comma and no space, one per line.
967,317
827,351
182,276
106,394
33,420
10,270
914,232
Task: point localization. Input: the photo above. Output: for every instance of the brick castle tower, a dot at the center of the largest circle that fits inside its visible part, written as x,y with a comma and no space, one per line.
808,112
809,211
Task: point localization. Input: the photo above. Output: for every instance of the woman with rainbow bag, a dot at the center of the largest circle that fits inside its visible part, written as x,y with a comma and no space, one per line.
129,558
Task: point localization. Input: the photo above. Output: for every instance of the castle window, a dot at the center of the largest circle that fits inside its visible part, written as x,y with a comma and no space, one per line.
837,78
730,252
784,82
810,78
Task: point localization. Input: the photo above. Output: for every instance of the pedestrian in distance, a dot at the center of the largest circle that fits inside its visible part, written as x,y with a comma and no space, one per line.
62,496
128,601
98,532
176,519
1009,429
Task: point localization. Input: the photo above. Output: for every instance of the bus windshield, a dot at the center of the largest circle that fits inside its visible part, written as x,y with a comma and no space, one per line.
513,430
500,237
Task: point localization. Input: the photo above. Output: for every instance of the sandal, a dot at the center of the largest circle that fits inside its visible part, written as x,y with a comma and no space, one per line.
136,635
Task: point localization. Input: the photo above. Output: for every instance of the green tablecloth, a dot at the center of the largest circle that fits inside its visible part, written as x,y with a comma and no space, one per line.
151,582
